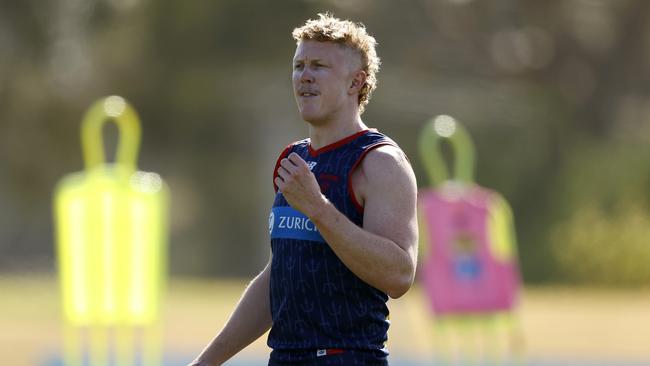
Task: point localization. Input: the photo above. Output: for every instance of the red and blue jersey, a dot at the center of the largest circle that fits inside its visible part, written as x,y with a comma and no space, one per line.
317,303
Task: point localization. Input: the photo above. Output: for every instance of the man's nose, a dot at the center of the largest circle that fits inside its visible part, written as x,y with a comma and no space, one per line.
306,76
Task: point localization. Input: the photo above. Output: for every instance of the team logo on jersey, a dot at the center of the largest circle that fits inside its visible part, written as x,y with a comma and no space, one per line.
311,164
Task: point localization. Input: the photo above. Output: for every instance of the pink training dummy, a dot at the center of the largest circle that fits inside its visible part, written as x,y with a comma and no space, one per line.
469,262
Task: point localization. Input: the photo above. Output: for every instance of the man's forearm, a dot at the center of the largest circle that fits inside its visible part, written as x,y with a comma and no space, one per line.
251,319
378,261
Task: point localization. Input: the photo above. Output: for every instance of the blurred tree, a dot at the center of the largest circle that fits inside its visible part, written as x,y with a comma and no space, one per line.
547,89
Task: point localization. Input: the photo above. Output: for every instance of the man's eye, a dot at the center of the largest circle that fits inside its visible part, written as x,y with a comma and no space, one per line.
297,66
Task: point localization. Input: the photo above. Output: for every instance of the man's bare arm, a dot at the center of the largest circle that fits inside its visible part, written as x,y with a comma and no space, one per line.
250,319
384,252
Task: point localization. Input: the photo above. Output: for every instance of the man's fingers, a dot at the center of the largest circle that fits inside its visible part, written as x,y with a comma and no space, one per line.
283,173
288,165
279,182
297,160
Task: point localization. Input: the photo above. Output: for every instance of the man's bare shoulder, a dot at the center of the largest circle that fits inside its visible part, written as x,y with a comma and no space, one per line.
384,169
386,160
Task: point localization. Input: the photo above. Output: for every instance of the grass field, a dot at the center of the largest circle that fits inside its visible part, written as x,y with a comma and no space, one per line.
600,326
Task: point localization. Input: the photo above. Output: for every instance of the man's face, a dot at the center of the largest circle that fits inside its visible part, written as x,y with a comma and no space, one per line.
322,75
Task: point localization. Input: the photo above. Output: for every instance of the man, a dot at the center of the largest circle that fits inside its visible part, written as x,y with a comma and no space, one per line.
343,224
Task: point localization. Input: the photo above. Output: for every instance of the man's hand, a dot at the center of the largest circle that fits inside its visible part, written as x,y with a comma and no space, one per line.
299,186
251,318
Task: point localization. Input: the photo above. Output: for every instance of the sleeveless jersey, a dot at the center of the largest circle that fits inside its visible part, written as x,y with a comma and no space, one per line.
316,301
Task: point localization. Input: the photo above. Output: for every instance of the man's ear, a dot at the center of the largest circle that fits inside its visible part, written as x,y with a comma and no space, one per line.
358,82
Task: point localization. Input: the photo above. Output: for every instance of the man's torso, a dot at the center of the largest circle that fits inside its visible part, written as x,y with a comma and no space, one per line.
316,301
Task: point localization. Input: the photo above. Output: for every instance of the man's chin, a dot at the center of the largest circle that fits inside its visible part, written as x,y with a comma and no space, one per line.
311,118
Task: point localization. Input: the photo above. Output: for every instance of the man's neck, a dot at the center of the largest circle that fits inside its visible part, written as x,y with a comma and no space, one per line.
329,133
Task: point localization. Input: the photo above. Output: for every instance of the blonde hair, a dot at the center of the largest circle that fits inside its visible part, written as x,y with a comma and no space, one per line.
354,36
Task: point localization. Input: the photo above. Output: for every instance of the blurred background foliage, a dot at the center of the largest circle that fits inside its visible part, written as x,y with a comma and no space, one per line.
554,93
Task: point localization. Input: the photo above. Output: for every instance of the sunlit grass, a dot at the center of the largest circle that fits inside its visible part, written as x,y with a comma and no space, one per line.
559,322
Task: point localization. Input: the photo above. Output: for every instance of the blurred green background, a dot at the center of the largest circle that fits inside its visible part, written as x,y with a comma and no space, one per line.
555,94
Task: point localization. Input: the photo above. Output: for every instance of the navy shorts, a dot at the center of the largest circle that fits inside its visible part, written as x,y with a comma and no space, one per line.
328,357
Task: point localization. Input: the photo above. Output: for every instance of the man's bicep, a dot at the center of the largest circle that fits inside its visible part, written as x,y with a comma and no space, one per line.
390,196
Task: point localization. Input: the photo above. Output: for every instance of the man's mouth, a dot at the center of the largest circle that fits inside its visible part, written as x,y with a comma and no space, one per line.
308,94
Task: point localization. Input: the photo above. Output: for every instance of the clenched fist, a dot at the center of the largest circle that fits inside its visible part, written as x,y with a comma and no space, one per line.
299,186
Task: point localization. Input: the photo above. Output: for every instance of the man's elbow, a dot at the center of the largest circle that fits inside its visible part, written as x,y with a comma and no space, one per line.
400,286
403,277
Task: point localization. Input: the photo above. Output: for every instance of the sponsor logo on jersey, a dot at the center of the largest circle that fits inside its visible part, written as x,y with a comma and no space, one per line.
271,220
288,223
